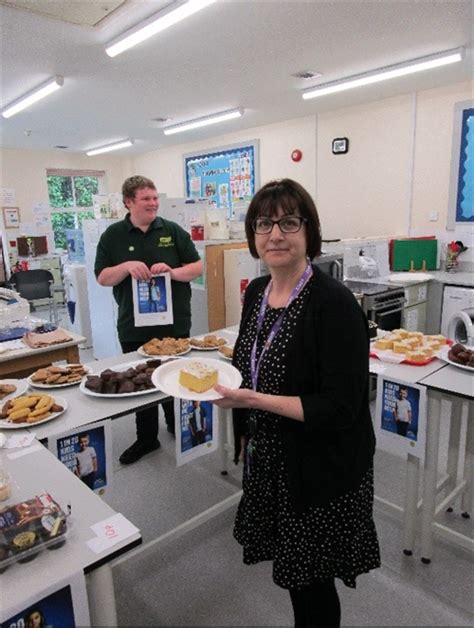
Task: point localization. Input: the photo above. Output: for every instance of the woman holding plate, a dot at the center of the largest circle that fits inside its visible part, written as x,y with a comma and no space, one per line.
302,413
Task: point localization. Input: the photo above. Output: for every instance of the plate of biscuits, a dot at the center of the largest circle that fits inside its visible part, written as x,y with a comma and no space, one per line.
165,347
28,410
226,352
10,388
58,376
210,342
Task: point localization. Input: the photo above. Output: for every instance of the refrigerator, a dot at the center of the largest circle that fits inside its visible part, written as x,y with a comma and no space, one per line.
102,306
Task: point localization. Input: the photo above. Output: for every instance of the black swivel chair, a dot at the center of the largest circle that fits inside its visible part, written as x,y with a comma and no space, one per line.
36,284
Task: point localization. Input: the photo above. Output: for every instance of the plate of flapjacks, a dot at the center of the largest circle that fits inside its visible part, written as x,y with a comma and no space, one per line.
165,347
210,342
28,410
58,376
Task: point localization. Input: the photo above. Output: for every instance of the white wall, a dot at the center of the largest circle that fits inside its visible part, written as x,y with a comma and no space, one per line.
395,174
277,141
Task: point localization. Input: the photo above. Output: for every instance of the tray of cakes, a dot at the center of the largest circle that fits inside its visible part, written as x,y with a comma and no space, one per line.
401,346
210,342
131,379
195,379
26,410
28,527
58,376
165,347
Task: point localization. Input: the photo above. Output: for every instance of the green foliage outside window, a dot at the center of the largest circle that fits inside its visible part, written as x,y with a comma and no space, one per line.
66,220
70,192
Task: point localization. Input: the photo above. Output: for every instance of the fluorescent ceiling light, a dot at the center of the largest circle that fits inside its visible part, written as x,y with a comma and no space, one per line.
195,124
155,24
109,147
383,74
36,94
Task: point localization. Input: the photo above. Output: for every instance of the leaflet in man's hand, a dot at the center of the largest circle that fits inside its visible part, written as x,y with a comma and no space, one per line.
152,301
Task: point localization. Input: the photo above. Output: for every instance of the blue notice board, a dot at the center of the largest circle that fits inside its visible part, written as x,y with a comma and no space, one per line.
465,195
224,175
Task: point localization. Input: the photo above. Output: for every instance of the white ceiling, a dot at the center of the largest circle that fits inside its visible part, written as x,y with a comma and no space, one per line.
231,54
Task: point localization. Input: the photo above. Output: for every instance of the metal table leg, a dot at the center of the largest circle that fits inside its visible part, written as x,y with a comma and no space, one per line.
410,508
467,498
454,444
430,475
100,591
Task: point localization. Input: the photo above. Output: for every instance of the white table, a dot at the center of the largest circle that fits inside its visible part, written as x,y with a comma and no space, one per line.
37,470
456,385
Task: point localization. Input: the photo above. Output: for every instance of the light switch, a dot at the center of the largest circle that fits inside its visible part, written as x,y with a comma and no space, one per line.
434,216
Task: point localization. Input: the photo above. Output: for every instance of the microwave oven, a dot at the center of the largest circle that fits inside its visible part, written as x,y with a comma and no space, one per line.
331,264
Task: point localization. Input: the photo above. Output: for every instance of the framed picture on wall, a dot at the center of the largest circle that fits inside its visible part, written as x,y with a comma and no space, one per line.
11,217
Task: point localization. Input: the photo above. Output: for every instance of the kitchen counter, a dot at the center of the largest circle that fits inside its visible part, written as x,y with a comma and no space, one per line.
459,278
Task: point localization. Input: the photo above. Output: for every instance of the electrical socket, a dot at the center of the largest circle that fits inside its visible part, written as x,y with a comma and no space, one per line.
434,216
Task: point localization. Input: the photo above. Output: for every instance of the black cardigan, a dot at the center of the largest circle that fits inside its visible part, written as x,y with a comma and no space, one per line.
328,368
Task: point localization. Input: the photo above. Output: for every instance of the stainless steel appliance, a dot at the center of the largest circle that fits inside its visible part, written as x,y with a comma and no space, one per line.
331,263
382,303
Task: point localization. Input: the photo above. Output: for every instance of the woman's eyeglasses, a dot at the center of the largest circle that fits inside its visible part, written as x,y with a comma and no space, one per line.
287,224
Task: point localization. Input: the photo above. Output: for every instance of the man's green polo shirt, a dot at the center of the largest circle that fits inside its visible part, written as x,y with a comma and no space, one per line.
165,241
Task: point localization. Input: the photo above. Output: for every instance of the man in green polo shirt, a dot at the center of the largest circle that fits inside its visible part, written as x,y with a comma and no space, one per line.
140,246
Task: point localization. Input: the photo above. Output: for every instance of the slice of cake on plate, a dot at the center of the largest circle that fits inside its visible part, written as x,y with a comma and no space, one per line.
198,377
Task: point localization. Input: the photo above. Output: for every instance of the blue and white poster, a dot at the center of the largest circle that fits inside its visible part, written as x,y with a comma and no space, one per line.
152,301
400,414
465,195
87,454
223,176
196,433
63,605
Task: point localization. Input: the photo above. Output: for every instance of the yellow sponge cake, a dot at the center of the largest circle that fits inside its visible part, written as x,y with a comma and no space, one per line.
198,377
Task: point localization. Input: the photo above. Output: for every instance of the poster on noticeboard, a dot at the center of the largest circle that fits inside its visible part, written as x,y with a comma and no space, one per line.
400,415
223,175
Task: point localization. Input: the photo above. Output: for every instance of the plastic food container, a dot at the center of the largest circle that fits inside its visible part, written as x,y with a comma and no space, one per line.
29,527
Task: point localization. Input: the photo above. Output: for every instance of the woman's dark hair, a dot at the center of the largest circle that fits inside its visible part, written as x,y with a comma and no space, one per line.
291,198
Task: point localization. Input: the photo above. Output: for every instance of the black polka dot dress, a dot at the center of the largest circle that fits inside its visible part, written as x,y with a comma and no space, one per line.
336,540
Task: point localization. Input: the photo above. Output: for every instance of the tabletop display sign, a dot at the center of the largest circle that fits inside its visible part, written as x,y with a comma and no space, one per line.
400,415
63,604
225,175
152,301
196,429
87,453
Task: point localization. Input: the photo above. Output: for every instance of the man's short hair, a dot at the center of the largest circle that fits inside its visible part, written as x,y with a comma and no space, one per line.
132,184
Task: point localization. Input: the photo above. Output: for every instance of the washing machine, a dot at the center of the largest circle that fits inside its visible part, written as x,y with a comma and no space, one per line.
457,319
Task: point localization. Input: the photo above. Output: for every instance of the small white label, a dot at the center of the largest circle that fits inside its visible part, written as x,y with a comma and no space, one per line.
111,531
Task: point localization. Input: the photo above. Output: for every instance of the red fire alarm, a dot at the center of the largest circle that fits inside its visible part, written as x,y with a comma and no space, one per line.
296,155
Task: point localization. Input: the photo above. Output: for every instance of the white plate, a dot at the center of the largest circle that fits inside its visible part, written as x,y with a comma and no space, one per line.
4,425
141,351
166,378
43,385
21,388
216,348
443,354
415,276
118,368
224,357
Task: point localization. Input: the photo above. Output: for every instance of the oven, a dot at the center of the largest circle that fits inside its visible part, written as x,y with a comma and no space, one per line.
382,303
385,309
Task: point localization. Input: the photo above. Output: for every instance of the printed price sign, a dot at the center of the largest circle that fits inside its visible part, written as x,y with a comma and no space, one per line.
111,531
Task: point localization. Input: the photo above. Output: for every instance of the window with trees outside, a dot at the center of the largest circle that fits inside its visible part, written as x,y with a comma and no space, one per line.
70,199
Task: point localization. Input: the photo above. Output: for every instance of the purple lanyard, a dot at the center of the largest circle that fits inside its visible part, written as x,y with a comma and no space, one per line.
254,364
